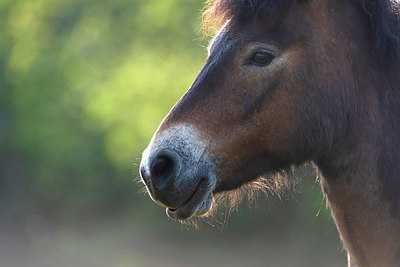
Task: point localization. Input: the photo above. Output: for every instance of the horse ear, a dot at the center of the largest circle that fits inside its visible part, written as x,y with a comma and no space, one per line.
385,26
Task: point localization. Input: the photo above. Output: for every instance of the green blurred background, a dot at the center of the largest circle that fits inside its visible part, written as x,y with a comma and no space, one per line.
83,86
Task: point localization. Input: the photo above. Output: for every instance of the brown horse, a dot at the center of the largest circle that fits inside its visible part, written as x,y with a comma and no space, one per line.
288,82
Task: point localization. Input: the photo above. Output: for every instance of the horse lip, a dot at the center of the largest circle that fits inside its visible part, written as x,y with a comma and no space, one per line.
195,203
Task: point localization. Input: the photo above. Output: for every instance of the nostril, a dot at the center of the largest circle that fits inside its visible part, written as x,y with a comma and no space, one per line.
162,169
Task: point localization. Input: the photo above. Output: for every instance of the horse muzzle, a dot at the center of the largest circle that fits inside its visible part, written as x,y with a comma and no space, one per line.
179,172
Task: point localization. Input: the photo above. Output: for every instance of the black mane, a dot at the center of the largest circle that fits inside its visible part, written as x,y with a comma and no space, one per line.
241,11
384,16
385,24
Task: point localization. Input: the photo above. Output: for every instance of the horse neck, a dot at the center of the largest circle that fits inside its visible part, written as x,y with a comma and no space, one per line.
364,218
363,196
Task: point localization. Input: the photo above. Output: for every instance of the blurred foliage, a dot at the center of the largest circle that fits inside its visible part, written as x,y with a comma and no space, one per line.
83,86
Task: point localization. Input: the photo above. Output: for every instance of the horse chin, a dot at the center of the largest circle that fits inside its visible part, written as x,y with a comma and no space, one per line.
199,203
276,183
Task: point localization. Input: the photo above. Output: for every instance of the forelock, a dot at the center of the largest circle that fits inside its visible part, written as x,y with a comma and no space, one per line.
218,12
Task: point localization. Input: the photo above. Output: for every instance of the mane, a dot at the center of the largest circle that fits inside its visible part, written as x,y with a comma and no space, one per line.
218,12
384,17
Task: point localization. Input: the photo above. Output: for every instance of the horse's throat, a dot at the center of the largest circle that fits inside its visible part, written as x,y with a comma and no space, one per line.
370,233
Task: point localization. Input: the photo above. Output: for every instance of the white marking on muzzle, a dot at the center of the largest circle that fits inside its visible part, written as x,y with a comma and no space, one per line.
196,163
182,139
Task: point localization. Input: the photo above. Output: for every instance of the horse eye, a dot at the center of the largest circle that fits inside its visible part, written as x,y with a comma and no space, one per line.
262,58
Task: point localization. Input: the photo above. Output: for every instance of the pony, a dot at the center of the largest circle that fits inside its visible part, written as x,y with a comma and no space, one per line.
288,82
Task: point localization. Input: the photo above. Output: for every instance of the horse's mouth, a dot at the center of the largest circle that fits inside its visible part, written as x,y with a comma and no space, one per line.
198,203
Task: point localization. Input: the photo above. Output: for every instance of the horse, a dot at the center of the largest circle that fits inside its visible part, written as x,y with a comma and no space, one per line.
288,82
